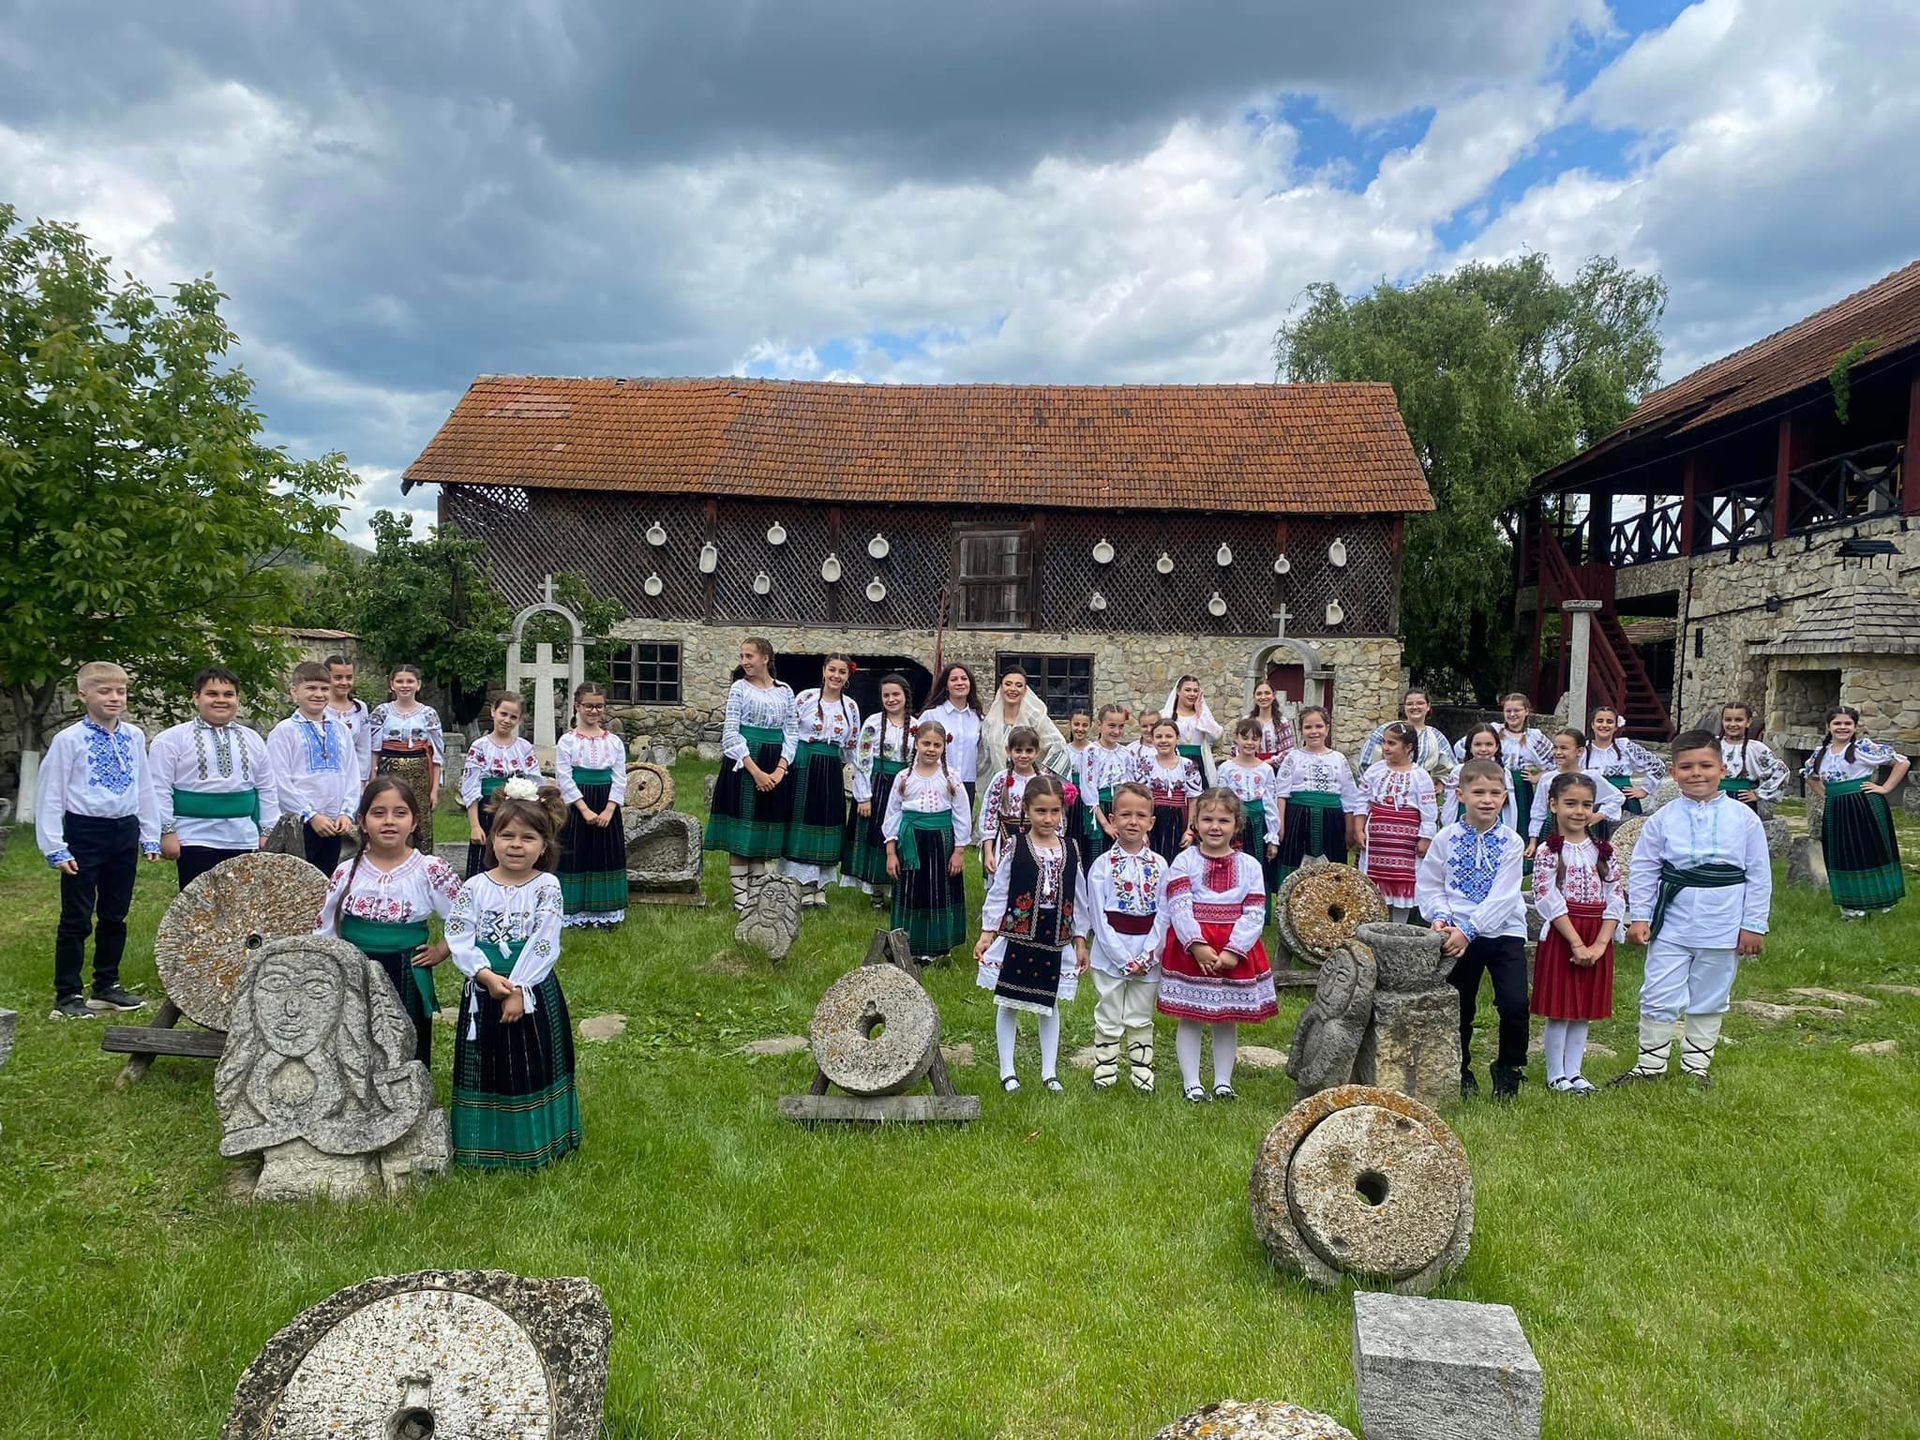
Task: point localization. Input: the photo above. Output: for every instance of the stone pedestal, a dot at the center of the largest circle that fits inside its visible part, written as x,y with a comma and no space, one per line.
1255,1420
663,858
1580,615
1443,1370
1412,1045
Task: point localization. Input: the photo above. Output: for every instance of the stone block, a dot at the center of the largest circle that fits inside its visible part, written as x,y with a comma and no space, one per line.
1443,1370
663,852
1807,863
1779,837
1412,1045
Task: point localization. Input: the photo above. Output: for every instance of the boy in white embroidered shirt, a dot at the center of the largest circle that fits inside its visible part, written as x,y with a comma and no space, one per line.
1125,885
315,768
95,818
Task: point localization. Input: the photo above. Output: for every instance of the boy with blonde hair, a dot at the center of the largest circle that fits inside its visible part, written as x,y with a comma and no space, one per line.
315,768
94,816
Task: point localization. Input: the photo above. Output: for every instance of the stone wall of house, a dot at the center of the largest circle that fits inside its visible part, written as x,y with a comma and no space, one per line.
1135,670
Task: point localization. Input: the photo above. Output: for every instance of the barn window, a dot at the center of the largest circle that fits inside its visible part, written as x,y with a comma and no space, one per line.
993,576
1065,682
646,673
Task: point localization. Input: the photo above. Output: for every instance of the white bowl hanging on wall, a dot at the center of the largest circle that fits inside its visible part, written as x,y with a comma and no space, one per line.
1223,556
830,569
656,534
878,547
1102,552
876,592
776,534
653,585
1217,606
762,583
1337,552
1096,601
709,558
1282,565
1334,613
1164,564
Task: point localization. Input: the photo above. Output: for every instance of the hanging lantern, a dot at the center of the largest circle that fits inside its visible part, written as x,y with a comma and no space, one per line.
878,547
709,558
1223,556
656,534
776,534
876,592
1337,552
762,583
653,584
830,569
1282,565
1103,552
1217,606
1096,601
1334,613
1164,564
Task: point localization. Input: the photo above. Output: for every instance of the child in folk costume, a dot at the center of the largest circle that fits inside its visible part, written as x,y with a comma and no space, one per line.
406,741
493,760
95,818
1127,921
1255,786
349,710
1213,971
827,730
212,781
928,824
1468,889
1578,894
1400,819
1628,767
1033,929
751,799
1482,742
1756,777
1176,784
514,1103
1569,745
1698,889
1276,731
1316,794
1525,751
590,767
1003,813
1110,763
381,900
315,768
1144,749
1188,709
1079,749
884,749
1856,826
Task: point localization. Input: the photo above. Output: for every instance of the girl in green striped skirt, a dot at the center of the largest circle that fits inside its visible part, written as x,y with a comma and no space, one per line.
927,826
881,753
751,798
590,766
1314,794
514,1104
1856,828
828,725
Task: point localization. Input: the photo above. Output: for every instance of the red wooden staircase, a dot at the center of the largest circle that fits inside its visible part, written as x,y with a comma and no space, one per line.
1616,675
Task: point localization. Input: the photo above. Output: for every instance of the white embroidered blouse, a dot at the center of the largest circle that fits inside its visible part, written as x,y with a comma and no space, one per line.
834,722
1834,766
1408,789
1326,771
418,726
880,739
1582,884
488,758
605,751
419,886
1255,785
487,912
769,708
928,795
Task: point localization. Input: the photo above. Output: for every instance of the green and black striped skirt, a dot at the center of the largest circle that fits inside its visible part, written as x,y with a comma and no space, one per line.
514,1104
863,850
817,826
1316,824
1863,858
928,902
593,858
745,823
391,946
1253,840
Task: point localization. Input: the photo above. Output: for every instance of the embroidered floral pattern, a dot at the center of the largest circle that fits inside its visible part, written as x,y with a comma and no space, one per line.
109,757
1473,860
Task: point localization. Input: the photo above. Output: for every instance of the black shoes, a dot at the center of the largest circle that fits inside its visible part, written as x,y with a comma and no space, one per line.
1506,1083
114,997
1468,1085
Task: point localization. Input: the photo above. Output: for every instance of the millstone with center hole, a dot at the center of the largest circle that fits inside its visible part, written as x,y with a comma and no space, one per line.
1324,906
649,788
1363,1182
218,923
875,1031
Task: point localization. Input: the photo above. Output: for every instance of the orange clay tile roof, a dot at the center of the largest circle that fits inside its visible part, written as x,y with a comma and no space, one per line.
1306,449
1886,313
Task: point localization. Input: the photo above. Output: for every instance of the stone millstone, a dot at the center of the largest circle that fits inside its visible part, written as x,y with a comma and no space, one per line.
875,1031
1325,906
1411,957
649,788
439,1352
1625,836
1384,1195
1255,1420
220,921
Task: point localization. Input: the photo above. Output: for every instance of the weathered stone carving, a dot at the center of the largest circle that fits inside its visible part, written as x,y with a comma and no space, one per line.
649,788
663,853
1326,1042
771,920
220,922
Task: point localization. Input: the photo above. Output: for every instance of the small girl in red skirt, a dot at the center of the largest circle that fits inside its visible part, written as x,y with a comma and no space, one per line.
1400,819
1577,890
1214,970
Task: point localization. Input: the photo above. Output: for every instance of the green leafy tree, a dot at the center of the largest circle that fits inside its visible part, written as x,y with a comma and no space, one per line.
1501,371
143,519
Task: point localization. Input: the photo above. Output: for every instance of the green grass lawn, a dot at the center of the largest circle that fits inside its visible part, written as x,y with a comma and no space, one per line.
1741,1262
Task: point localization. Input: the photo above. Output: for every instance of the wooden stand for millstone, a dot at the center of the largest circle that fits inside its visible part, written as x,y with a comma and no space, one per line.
945,1106
142,1043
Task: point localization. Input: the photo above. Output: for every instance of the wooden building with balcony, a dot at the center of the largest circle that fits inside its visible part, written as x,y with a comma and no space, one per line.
1733,520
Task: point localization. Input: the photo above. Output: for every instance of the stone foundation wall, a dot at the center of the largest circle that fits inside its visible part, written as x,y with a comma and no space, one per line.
1136,670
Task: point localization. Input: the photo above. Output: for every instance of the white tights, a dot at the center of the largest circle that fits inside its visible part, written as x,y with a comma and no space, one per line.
1006,1027
1186,1046
1566,1042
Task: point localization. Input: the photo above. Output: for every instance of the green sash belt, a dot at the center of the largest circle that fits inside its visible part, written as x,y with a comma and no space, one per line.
583,776
1846,787
938,821
389,937
1195,754
758,735
1314,799
220,805
500,958
1620,782
816,747
1714,875
492,785
1737,785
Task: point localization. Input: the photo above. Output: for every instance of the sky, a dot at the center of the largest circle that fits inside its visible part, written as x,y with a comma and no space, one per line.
400,197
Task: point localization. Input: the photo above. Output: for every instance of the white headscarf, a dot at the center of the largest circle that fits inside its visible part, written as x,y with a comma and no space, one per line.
1209,726
994,730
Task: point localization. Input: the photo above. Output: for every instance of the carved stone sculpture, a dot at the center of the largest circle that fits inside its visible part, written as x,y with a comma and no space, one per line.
771,920
1326,1042
663,853
319,1079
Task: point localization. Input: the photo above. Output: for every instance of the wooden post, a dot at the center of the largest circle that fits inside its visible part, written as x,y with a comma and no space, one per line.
1910,461
1599,525
1689,500
1782,477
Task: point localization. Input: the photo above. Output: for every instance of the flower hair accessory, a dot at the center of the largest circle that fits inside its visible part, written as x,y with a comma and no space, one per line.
520,788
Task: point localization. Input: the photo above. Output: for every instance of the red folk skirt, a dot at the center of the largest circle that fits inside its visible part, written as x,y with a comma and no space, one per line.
1563,990
1393,842
1243,995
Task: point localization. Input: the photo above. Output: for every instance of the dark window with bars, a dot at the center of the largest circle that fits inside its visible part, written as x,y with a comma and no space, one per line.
1064,682
646,673
993,576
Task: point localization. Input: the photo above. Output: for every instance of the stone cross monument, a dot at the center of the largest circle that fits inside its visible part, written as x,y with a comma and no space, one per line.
536,680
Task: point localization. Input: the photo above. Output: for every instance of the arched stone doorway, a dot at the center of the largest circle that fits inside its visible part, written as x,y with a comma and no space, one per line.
1296,671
